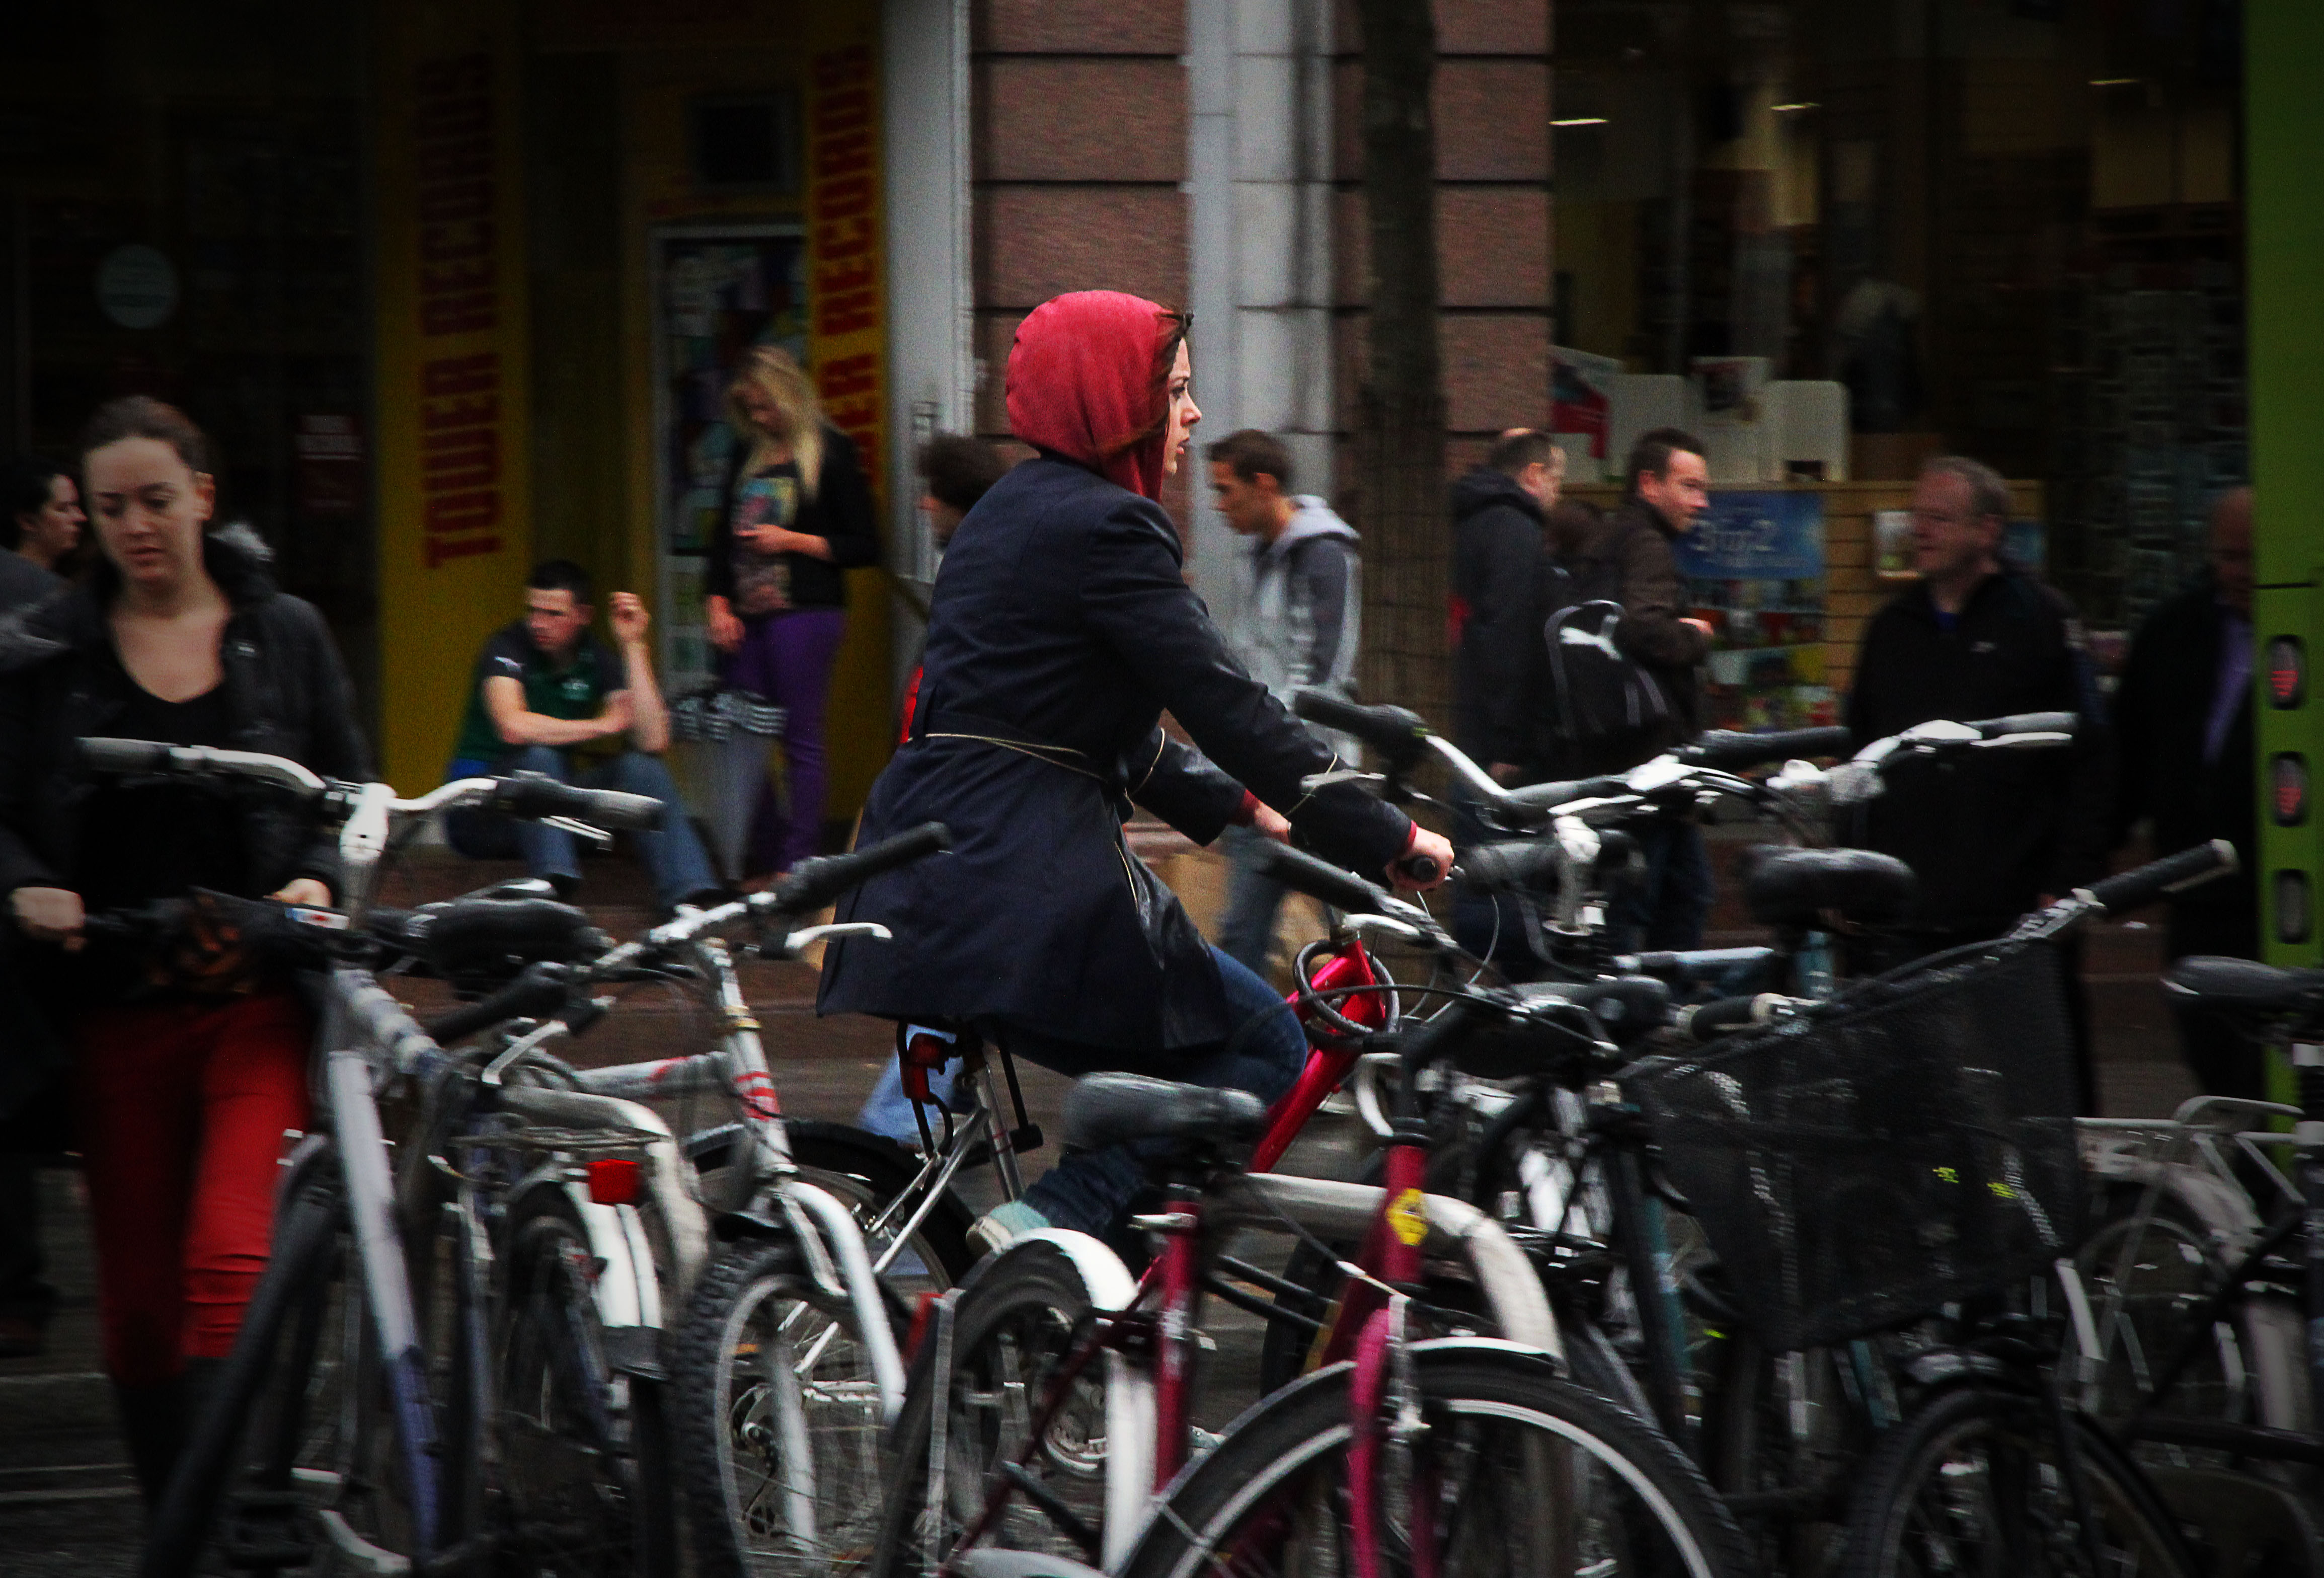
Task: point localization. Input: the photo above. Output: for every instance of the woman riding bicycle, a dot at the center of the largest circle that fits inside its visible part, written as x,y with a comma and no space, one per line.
183,1076
1060,629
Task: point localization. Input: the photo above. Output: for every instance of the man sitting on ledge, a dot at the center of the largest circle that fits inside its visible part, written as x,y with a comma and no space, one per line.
544,687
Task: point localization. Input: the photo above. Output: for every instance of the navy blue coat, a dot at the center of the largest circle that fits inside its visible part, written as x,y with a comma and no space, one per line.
1060,629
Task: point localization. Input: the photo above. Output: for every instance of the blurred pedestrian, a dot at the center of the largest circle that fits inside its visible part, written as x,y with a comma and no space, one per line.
1627,558
2182,728
40,527
1498,513
1995,833
183,1080
797,514
1294,624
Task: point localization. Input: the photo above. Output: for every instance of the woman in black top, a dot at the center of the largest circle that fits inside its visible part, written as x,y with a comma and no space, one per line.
181,1085
797,514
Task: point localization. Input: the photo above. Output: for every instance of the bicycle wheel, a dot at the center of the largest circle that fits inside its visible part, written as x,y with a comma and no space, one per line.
1975,1482
296,1462
1016,1322
778,1421
2145,1274
583,1444
868,1174
1520,1472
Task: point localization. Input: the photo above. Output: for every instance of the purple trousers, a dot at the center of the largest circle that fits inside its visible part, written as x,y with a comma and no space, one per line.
787,657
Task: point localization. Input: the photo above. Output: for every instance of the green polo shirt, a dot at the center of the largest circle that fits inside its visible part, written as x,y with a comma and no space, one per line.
578,691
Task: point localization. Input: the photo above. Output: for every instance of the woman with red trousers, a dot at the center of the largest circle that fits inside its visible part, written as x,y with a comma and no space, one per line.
180,1089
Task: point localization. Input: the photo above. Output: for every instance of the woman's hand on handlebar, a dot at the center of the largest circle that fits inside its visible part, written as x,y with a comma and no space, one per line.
1428,852
1270,823
307,890
50,914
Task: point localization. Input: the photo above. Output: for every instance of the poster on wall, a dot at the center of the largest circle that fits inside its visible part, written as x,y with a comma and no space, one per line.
1754,566
717,293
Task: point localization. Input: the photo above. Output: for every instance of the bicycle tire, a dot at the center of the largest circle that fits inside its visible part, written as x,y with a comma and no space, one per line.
1938,1478
1015,1320
297,1452
755,1304
1620,1498
583,1444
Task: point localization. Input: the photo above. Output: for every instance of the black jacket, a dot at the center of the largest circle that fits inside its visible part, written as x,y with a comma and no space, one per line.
1629,555
1989,833
23,581
839,512
2161,715
1060,628
1500,661
61,679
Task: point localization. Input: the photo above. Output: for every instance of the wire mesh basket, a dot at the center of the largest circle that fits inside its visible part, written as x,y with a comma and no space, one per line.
1911,1144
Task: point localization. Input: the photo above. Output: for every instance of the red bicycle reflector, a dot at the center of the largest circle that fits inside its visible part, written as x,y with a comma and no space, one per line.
2288,789
616,1180
2287,672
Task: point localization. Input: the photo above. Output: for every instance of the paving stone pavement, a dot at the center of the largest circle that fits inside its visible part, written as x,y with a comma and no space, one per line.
67,1509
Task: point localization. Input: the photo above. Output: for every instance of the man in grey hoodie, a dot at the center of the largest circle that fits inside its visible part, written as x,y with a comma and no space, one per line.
1294,625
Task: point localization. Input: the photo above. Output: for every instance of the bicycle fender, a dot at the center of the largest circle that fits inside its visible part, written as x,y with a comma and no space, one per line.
1130,1411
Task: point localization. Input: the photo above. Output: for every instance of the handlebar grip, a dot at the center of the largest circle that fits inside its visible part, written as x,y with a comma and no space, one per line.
1734,752
534,795
2170,875
1545,797
1321,879
1399,734
1710,1020
124,756
537,989
2029,723
814,883
1519,863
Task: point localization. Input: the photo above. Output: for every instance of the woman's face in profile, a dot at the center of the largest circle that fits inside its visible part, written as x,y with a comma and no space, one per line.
1180,392
760,408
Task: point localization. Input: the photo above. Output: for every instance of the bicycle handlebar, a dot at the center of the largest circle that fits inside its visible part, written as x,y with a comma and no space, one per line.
1397,733
2172,874
814,883
1321,880
1735,751
534,796
2027,722
140,756
539,990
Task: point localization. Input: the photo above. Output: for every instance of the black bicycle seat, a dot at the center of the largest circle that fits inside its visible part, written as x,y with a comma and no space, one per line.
469,937
1797,887
2242,986
1111,1108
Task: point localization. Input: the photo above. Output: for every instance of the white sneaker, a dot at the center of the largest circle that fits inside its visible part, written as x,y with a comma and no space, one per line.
1004,1225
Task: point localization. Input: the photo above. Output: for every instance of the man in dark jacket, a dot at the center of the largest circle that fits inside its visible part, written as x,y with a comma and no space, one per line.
2182,724
1497,511
1668,484
1989,836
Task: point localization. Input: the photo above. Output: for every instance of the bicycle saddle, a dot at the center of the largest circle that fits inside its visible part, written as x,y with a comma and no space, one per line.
1797,887
467,938
1109,1109
2242,985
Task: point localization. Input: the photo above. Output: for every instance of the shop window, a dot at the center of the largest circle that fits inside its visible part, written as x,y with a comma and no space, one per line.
745,143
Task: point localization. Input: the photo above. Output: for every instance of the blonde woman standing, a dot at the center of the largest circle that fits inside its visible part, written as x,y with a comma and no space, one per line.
797,514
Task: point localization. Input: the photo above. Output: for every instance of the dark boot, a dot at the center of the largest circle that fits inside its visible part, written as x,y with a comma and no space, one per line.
153,1424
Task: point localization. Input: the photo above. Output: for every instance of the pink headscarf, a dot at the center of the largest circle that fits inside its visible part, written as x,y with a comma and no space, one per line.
1081,382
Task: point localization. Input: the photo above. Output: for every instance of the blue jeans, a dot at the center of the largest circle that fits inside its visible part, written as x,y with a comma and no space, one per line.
1092,1190
672,853
1246,930
1667,906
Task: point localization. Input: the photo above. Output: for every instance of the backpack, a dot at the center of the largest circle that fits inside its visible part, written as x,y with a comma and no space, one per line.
1597,693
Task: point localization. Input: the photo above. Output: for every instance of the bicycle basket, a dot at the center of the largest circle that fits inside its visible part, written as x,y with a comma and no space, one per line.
1905,1147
